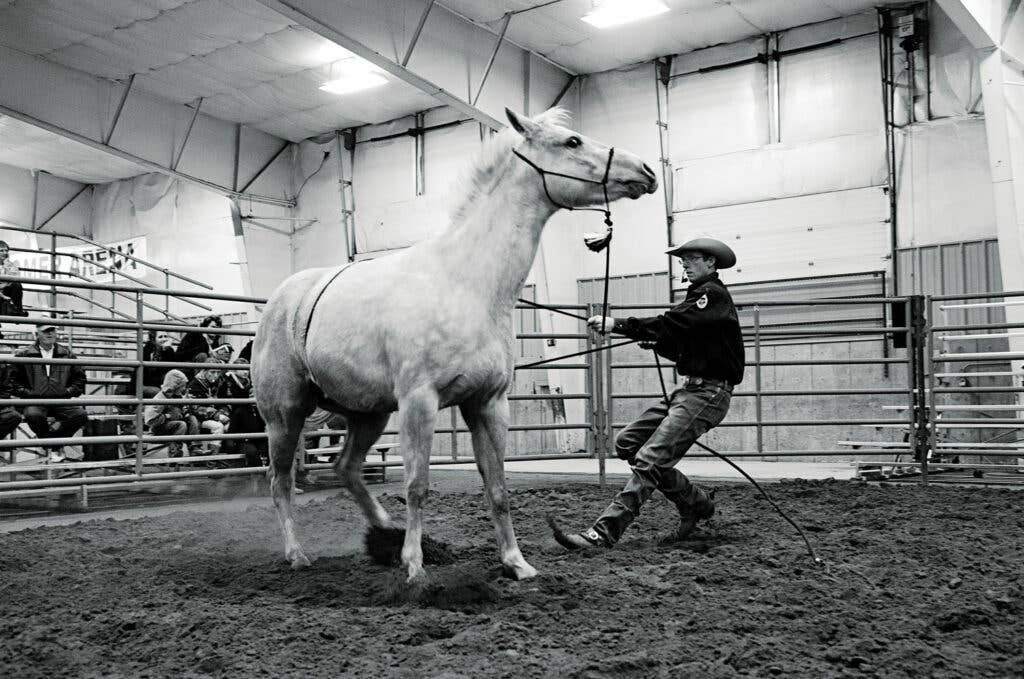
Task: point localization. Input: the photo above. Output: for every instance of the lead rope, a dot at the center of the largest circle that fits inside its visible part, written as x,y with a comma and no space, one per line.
732,464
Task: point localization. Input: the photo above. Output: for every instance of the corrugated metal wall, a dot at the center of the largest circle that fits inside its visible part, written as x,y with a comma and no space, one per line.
952,269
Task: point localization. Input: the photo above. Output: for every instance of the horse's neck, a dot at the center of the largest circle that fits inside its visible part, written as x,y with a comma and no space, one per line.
493,245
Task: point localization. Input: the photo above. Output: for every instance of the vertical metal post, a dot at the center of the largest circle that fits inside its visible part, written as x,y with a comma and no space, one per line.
455,433
591,443
71,331
609,410
932,415
918,330
662,73
758,407
419,155
139,342
53,274
908,315
346,142
773,68
167,298
600,405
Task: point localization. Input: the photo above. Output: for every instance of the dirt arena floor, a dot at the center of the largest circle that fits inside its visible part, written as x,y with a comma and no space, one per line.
920,583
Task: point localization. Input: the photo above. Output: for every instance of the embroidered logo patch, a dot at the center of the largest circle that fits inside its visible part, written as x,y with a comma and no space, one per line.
702,302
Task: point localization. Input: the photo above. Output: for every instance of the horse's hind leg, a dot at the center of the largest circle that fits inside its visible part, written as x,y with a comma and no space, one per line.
488,424
417,415
361,432
283,430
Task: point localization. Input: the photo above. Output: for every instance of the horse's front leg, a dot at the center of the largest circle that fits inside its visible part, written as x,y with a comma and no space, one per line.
488,423
417,415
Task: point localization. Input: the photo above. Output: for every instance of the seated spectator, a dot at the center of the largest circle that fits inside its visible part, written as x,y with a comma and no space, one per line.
169,420
245,355
196,347
245,418
223,352
158,347
208,418
10,418
43,380
12,292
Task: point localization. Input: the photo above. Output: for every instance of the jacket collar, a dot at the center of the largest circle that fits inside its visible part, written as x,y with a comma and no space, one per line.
713,276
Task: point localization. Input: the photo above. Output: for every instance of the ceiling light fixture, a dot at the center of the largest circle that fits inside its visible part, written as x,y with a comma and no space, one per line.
609,13
349,73
354,82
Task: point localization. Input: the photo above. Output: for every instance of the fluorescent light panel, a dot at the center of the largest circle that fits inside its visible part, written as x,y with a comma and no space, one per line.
617,12
349,72
354,82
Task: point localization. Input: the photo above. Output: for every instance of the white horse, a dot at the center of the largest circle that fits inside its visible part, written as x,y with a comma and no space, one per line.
428,327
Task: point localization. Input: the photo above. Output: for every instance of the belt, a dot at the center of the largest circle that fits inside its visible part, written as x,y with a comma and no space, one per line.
694,381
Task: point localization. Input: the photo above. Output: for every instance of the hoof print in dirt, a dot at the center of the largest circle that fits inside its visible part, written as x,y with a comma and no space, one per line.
384,545
463,590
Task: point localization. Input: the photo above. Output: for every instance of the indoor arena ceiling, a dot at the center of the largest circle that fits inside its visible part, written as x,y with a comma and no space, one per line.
251,63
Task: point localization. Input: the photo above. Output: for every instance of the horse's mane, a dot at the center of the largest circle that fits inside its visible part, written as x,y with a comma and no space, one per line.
479,177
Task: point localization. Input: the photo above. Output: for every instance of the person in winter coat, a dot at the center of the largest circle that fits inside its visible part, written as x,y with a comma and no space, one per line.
45,380
169,420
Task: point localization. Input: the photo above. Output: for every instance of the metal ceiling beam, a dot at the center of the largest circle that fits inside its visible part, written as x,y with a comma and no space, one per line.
141,162
416,34
490,30
120,108
68,202
335,35
188,133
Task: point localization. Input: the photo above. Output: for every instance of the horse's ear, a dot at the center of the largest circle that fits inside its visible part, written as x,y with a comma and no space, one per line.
523,126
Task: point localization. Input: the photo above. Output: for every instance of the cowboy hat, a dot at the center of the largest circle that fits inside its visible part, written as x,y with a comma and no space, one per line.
723,254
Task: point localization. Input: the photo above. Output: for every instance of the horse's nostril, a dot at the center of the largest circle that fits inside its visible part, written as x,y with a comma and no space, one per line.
648,171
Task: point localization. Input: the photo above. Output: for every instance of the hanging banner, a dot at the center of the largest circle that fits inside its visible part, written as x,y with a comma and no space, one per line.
99,264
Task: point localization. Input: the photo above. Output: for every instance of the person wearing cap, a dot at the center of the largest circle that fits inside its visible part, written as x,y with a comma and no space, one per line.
169,419
702,336
45,380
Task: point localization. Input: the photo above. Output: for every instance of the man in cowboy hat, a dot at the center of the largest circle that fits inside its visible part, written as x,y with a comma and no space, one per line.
702,335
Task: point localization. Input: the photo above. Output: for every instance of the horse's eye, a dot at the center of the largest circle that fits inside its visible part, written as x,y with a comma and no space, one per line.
573,142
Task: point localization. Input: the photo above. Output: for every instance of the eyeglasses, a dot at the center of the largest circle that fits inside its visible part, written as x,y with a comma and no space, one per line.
691,258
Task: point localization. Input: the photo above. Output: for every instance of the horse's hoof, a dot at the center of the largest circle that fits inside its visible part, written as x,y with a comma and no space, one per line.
299,561
523,571
417,576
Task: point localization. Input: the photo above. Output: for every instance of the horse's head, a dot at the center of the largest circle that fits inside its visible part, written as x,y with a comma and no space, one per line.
576,170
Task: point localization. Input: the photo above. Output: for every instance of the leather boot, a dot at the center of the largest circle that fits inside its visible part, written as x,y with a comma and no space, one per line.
697,506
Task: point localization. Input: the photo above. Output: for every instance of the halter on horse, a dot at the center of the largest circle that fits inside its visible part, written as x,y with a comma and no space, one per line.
427,328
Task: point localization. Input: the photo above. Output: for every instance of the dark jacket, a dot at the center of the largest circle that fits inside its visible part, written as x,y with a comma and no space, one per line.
199,388
151,351
701,334
64,381
193,348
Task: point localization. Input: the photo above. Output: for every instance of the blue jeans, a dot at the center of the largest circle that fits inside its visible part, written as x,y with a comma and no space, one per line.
654,443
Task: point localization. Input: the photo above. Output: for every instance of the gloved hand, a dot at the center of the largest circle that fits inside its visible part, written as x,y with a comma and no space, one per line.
596,323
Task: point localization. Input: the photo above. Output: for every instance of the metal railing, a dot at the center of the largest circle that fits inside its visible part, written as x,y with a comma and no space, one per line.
54,254
785,375
147,461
